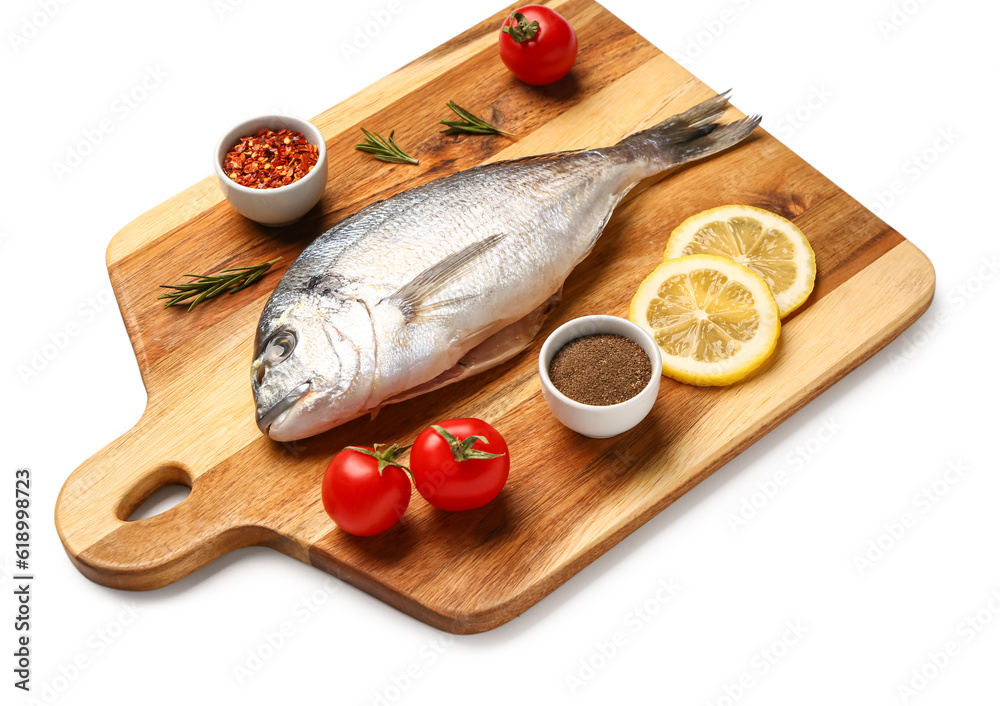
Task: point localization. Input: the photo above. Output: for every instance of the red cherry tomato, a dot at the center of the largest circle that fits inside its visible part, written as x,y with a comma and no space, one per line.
537,44
361,499
455,470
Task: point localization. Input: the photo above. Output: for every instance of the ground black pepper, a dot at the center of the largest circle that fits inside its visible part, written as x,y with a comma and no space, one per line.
601,369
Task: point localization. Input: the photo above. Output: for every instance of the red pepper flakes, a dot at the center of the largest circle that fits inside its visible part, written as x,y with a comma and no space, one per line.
270,159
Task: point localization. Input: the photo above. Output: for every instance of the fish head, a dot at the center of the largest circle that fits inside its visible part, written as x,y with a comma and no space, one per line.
312,369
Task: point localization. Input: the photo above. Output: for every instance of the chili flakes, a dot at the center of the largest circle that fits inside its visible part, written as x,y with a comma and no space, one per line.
270,159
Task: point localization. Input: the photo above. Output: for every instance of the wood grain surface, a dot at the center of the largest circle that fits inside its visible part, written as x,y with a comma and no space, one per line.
470,571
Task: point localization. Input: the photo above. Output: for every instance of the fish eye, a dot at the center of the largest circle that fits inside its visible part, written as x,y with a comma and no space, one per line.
279,347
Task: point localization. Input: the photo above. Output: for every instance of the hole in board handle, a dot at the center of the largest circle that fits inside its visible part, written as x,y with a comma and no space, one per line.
160,501
154,494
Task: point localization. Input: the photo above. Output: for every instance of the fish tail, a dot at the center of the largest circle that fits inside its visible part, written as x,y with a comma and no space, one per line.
690,135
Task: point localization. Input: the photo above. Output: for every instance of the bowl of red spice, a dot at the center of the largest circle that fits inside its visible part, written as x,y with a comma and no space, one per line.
273,168
600,374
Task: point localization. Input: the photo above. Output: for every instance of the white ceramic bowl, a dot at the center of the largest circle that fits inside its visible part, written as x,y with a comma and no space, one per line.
596,421
283,204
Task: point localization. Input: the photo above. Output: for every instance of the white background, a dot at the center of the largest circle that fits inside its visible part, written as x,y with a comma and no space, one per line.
886,79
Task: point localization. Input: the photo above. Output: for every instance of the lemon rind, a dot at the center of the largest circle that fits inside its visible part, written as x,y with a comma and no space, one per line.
736,368
787,301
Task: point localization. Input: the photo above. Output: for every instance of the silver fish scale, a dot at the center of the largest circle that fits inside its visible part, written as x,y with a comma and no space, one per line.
550,210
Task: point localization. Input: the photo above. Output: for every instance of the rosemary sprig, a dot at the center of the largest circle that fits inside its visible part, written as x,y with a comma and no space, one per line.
383,149
470,123
207,286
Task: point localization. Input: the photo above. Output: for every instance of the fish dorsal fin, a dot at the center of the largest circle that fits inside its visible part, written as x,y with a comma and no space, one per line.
414,297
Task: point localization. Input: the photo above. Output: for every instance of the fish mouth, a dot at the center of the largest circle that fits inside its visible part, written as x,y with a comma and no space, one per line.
264,421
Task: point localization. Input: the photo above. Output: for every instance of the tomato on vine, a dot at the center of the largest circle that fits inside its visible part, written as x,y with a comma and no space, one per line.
364,490
460,464
537,44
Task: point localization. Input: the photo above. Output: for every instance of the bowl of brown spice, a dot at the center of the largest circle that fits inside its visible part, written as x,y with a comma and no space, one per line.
273,168
600,374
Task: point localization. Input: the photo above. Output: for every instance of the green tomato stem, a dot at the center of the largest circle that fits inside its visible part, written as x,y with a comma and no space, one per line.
385,454
519,29
462,450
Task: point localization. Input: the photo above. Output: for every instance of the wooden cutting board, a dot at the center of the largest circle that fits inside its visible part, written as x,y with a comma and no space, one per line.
569,498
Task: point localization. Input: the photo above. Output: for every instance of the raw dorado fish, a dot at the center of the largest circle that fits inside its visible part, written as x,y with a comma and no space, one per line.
450,278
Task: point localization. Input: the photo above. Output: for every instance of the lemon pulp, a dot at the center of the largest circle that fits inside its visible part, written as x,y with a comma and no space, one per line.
767,244
714,320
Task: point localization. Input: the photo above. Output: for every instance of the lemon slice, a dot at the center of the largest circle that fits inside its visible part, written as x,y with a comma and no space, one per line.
714,320
771,246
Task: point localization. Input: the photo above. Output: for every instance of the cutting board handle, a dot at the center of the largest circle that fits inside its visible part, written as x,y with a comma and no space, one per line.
97,499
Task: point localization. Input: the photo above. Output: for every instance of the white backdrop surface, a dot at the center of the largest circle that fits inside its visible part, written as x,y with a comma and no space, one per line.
894,100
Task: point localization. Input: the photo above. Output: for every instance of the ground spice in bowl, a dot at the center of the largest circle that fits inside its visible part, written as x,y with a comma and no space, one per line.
602,369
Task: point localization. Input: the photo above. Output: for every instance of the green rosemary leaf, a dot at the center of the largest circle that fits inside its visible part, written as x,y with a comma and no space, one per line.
384,149
208,286
470,123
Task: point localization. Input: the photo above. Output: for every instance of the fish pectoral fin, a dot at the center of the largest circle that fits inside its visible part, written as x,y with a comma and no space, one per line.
495,350
414,297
